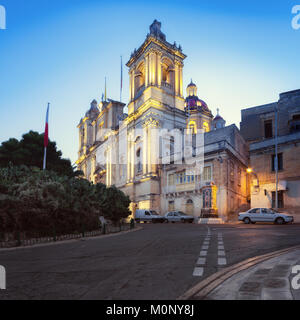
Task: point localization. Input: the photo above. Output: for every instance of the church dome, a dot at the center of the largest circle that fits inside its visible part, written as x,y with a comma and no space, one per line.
192,102
218,121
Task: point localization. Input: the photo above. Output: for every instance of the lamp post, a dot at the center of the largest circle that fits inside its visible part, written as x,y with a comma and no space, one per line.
276,155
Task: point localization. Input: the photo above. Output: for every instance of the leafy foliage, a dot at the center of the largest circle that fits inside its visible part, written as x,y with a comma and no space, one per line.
29,151
46,203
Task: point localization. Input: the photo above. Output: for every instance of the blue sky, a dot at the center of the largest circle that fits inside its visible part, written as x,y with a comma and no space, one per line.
240,54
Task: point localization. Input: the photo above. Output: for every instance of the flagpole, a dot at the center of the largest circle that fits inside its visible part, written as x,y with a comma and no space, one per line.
45,157
105,95
121,79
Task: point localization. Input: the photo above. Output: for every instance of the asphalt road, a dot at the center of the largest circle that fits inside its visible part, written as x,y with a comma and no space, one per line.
155,263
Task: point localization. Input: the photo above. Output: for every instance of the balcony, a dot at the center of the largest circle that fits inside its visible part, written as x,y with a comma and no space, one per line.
167,86
139,91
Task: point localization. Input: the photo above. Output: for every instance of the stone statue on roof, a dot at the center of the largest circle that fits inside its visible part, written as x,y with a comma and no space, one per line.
156,32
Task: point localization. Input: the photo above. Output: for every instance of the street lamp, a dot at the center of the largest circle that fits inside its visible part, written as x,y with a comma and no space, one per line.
250,171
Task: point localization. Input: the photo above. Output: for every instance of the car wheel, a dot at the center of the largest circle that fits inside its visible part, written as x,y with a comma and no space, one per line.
247,220
279,221
183,220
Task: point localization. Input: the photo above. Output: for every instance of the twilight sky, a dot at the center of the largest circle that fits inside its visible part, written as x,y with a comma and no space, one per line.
240,54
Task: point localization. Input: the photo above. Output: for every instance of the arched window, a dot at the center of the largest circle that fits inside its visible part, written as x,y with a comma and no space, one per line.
138,158
139,78
167,73
190,207
192,127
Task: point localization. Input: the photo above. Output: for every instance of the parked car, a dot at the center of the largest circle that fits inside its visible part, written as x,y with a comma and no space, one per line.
178,216
148,216
265,215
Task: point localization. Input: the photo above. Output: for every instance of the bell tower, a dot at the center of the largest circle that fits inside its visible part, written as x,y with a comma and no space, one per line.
155,72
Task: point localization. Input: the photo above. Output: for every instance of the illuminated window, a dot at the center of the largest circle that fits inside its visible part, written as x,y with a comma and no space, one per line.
192,127
205,126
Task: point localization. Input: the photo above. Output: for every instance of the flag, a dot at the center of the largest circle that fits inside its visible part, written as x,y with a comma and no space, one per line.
46,139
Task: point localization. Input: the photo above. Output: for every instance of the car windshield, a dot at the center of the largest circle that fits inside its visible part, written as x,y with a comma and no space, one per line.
153,213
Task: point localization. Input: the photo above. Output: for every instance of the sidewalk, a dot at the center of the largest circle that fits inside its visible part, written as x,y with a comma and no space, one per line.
268,280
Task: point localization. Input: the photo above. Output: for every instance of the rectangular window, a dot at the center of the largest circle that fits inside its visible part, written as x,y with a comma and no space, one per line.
268,129
171,206
207,174
280,162
239,176
231,171
280,199
295,123
171,179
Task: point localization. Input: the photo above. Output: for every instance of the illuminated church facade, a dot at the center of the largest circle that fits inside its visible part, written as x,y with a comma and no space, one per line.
169,152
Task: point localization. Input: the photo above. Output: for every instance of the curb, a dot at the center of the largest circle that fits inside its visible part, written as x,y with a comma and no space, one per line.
203,288
71,240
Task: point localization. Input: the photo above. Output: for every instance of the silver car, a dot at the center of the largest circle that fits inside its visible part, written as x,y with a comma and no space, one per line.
265,215
178,216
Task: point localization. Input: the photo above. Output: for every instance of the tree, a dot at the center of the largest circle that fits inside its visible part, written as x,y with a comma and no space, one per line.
43,203
114,204
29,151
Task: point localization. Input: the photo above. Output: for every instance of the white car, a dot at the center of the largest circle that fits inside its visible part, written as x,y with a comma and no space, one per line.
178,216
148,216
265,215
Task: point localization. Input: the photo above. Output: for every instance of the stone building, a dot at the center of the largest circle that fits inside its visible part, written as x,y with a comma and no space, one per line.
168,152
258,129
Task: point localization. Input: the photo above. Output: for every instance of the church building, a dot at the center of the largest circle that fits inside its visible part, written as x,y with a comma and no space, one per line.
169,152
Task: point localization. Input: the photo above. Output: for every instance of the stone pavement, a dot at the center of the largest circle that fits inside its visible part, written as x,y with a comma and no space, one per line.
268,280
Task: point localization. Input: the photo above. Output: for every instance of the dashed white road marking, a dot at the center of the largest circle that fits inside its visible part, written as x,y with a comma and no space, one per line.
198,272
221,251
221,255
222,261
201,261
